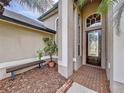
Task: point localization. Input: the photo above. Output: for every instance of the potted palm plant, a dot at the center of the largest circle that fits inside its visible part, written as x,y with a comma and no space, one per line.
40,54
49,49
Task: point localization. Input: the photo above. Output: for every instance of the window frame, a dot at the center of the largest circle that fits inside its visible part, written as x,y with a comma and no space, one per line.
56,23
91,17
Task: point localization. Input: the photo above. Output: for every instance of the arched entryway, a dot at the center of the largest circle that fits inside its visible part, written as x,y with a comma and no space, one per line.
93,35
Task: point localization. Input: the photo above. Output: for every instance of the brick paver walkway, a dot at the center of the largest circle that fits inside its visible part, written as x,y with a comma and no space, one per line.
93,78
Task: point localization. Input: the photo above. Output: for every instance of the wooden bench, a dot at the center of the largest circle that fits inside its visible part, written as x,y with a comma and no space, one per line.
19,67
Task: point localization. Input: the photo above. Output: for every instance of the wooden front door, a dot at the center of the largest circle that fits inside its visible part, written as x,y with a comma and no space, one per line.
94,47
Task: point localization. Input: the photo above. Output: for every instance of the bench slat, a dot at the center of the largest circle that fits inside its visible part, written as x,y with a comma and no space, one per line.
15,68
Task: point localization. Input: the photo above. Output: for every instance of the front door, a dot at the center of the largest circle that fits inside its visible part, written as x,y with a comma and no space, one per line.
94,47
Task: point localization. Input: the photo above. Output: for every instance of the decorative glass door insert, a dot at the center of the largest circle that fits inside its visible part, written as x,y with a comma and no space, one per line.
94,47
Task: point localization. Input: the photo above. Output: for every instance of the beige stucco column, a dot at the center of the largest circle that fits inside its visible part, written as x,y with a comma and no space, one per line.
77,32
117,64
65,62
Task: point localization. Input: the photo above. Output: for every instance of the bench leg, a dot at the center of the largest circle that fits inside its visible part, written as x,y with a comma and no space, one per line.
39,65
13,75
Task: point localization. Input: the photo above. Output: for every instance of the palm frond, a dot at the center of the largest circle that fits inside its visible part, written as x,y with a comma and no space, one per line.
5,2
81,3
40,5
105,5
118,17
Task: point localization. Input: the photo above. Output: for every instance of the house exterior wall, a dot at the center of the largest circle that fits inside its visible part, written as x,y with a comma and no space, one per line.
118,52
118,57
17,43
50,22
115,49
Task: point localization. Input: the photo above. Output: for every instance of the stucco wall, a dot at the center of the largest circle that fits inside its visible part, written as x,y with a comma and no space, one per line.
18,42
118,53
118,49
50,22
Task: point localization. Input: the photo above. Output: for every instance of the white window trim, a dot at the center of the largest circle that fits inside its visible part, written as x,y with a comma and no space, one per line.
56,22
90,15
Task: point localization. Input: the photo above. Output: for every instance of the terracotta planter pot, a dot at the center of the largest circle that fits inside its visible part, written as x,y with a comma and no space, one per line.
1,8
51,64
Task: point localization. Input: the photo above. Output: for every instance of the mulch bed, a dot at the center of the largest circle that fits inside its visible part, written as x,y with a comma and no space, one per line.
46,80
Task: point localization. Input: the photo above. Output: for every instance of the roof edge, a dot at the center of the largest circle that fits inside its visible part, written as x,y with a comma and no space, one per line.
55,6
26,24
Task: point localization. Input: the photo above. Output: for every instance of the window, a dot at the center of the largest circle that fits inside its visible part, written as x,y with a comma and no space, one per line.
56,23
93,20
79,36
56,29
